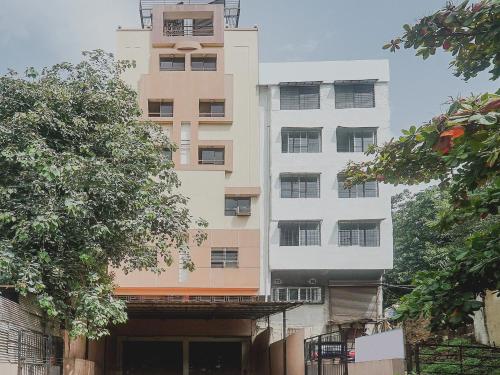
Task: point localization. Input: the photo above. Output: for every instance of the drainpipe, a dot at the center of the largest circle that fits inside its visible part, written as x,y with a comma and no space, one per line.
284,343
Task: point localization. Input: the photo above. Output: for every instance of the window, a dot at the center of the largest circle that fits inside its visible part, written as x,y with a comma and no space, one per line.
352,233
299,97
203,27
160,108
300,233
297,294
211,155
355,139
237,206
211,108
367,189
172,63
300,186
174,27
167,153
185,147
300,140
359,95
224,257
204,63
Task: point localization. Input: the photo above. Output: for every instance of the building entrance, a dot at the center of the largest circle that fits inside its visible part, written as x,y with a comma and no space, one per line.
166,358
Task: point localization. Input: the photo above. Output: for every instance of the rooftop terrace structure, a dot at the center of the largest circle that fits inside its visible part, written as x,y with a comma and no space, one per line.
231,9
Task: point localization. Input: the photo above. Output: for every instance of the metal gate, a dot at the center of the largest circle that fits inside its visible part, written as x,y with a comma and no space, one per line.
23,346
443,359
326,354
39,354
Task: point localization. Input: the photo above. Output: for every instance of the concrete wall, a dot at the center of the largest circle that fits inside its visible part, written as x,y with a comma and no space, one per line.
492,313
294,355
311,318
8,369
384,367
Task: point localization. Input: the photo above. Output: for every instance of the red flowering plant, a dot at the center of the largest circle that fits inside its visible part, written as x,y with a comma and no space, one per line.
459,149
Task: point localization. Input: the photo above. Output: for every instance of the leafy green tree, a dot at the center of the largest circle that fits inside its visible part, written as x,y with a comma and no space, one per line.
460,149
83,186
420,242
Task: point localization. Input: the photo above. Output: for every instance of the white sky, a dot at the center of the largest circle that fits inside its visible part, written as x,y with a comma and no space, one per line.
42,32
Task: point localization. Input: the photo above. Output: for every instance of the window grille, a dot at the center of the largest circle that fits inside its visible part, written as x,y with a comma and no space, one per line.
365,234
300,140
237,206
300,233
297,294
300,186
368,189
213,156
299,97
360,95
355,139
172,63
203,63
224,257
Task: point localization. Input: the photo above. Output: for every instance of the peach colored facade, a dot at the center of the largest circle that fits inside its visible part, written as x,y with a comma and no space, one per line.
235,131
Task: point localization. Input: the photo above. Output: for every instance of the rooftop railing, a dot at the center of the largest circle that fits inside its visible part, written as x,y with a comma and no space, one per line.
231,9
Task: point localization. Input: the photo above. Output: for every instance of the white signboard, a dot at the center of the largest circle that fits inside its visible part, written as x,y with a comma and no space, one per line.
386,345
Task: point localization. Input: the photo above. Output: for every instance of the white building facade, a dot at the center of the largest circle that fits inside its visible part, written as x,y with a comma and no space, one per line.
327,246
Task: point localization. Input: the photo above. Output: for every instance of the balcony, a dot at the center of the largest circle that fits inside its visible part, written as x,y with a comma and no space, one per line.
187,30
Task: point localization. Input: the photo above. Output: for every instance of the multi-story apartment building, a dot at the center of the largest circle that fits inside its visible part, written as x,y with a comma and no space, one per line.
196,74
327,244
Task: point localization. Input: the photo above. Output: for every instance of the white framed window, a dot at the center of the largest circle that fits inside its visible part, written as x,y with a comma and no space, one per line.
354,95
300,185
300,140
299,96
359,233
224,257
300,233
297,294
368,189
355,139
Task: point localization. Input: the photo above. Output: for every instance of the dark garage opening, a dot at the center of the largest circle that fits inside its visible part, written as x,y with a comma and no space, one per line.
152,358
221,358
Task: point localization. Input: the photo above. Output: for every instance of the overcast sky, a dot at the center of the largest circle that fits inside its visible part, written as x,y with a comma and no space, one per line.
42,32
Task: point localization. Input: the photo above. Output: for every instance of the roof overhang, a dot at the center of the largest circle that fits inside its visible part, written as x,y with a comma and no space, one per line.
166,307
304,83
353,81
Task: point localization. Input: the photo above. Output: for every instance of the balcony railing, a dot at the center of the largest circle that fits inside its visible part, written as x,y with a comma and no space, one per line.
212,114
161,114
211,162
188,30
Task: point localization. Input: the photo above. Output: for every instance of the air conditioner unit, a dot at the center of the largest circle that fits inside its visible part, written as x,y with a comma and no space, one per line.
312,281
242,211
